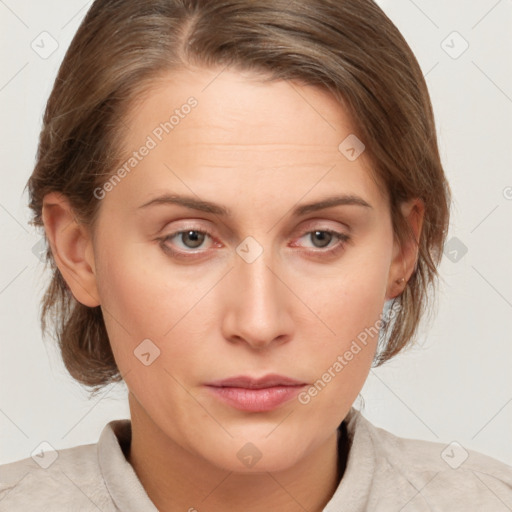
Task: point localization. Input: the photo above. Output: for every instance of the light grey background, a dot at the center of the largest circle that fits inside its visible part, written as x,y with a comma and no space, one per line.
456,385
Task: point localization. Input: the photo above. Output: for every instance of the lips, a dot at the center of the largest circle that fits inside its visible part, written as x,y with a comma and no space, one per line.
256,394
268,381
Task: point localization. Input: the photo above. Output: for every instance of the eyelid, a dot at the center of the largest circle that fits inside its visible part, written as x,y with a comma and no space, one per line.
321,224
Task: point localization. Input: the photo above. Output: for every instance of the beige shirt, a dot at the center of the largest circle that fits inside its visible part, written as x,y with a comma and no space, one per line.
384,473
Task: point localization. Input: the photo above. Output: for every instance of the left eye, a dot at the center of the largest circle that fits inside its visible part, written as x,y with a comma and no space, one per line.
325,236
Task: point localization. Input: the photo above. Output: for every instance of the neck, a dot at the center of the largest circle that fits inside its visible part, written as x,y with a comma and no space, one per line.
176,479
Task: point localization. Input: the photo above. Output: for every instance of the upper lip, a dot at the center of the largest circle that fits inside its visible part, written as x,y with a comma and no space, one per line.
268,381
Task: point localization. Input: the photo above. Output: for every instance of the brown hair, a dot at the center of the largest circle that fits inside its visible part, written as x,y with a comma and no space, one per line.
347,47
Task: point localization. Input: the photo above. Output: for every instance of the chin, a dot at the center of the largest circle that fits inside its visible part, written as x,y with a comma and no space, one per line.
252,460
251,454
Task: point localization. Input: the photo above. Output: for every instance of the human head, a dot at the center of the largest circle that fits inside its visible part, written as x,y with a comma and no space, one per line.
124,49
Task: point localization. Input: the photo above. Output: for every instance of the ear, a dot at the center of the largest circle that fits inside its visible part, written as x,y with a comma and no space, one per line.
405,255
72,249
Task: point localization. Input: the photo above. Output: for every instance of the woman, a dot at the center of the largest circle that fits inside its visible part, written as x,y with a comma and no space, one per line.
192,153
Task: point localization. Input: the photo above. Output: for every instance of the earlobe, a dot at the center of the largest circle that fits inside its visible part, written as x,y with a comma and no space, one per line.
71,246
405,254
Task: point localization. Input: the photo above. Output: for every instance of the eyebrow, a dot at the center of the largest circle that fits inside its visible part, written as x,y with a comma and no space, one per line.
217,209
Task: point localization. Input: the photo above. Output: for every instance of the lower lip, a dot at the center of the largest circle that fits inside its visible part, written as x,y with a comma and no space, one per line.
256,400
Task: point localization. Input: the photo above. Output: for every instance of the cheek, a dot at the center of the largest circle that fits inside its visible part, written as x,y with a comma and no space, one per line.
351,306
137,302
355,321
143,297
354,298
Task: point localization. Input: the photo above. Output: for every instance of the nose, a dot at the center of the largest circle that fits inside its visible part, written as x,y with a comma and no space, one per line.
258,304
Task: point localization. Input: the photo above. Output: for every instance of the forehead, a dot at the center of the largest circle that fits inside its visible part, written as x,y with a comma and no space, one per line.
224,98
217,131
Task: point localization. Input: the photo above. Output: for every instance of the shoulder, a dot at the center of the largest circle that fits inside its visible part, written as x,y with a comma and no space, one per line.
55,480
446,476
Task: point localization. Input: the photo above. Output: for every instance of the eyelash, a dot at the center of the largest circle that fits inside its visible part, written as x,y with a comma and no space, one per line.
342,237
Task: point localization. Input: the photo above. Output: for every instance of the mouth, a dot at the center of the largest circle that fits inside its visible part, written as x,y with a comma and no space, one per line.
256,395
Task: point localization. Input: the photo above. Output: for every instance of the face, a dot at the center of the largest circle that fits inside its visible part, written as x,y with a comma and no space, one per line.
241,279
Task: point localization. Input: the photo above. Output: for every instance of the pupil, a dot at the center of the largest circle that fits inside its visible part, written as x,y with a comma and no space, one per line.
197,239
323,236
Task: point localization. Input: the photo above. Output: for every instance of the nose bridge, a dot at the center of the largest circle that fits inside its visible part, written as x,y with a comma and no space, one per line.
258,308
258,282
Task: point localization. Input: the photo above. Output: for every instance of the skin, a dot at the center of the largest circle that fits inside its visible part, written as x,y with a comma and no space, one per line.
260,150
